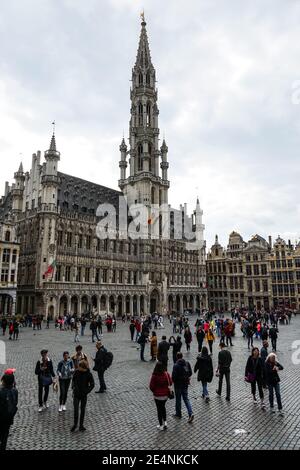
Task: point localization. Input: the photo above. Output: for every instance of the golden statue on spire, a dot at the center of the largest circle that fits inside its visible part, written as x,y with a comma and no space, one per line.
142,15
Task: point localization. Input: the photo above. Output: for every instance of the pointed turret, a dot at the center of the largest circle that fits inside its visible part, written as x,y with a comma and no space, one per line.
20,170
53,143
123,162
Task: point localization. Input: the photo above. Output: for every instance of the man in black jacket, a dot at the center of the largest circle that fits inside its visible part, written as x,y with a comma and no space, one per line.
99,366
8,407
224,361
273,333
82,384
200,335
162,353
181,374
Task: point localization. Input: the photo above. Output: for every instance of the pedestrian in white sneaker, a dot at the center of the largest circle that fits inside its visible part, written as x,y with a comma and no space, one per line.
65,371
254,374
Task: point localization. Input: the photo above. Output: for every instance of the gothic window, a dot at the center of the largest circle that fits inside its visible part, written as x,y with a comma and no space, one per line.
7,236
88,242
68,274
148,114
14,257
148,78
59,238
140,114
140,78
69,239
140,159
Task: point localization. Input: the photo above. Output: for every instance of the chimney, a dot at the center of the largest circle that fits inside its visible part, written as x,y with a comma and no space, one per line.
270,241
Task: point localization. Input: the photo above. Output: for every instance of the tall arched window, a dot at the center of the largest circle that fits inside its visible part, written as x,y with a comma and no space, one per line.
140,157
148,114
7,236
140,114
140,78
148,79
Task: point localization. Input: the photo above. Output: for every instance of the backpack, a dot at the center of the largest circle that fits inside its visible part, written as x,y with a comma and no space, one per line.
108,359
8,407
187,372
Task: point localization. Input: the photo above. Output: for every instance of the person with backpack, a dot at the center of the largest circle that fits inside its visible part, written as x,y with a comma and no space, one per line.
254,374
65,371
204,366
273,335
8,406
78,356
273,381
103,361
176,345
181,374
224,362
160,386
188,338
200,335
82,384
45,373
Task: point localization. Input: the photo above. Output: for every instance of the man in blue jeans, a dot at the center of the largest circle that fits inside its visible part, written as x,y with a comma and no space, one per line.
181,374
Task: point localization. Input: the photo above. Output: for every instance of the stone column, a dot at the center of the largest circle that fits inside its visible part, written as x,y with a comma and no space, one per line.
131,305
181,304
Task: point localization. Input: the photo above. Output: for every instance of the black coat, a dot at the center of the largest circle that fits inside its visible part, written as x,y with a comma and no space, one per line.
99,360
272,377
82,383
162,353
255,366
204,366
48,372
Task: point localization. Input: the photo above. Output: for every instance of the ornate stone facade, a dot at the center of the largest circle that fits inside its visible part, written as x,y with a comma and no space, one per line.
66,267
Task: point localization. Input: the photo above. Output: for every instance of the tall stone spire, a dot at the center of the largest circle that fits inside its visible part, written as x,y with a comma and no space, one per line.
147,182
53,143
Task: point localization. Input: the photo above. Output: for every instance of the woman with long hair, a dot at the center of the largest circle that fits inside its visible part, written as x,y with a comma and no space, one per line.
160,386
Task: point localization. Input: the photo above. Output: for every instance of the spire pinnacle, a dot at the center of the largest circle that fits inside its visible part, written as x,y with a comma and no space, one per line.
143,59
20,170
53,143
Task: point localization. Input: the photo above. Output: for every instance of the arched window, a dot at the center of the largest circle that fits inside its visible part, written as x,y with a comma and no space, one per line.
140,157
140,114
148,79
140,78
148,114
7,236
150,154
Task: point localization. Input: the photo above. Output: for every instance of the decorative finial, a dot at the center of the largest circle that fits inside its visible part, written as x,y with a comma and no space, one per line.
142,14
53,124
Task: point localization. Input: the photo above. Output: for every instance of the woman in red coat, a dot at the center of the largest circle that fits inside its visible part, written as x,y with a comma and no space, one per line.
160,384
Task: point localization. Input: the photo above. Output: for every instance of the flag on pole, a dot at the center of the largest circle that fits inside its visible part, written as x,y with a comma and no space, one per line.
50,269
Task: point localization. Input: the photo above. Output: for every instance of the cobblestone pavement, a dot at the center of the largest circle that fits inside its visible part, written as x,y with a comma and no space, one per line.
125,417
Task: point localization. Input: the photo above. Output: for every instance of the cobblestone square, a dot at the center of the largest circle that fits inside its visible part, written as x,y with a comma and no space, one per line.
125,416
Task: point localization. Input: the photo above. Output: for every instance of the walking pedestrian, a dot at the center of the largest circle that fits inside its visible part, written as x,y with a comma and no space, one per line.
176,345
210,337
65,371
82,384
224,362
8,407
273,380
204,366
153,346
254,374
4,324
76,331
45,373
228,330
83,325
143,339
273,333
160,386
100,365
79,356
93,328
132,329
200,335
162,353
16,326
188,338
249,334
181,374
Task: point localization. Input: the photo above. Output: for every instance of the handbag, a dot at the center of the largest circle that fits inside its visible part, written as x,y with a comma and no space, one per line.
250,377
46,380
171,394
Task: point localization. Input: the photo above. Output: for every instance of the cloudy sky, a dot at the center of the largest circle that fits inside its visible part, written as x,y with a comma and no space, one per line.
229,98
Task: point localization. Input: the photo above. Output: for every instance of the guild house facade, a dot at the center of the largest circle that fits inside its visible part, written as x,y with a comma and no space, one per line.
67,265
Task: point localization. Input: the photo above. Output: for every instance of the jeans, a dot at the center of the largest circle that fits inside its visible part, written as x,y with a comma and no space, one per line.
64,385
79,401
250,341
142,351
161,411
82,330
46,393
200,345
16,334
227,378
259,386
182,391
228,340
275,388
132,334
101,379
204,389
94,333
138,334
76,338
4,432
